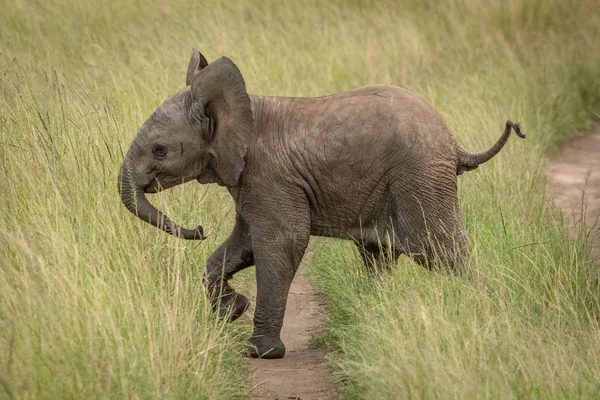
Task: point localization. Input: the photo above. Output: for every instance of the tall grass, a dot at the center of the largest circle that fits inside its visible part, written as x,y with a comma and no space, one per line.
95,303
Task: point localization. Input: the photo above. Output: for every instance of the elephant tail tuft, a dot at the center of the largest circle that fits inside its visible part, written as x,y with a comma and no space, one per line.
468,161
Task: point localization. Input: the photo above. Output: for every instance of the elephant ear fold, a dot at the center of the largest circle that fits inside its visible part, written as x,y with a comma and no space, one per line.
197,63
221,89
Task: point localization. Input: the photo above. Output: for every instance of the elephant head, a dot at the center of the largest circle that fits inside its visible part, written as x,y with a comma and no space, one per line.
201,133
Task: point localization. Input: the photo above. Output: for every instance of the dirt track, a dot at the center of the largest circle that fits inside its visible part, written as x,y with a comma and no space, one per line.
575,169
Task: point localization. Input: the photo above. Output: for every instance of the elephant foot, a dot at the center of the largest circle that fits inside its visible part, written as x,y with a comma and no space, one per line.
231,306
266,347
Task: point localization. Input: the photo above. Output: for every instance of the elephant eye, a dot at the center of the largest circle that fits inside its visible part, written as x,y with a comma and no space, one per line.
159,150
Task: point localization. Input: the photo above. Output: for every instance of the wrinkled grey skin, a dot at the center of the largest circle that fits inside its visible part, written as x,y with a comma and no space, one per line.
375,165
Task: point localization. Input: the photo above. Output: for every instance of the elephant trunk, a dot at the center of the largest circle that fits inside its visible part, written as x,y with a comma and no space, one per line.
135,201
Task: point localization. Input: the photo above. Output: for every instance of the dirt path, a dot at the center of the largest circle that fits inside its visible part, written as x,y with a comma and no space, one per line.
575,163
302,373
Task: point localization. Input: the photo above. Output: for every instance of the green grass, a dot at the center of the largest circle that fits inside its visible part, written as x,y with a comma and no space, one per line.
94,303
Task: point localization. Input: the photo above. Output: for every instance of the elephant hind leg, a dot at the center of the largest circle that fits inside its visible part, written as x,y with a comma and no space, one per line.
440,253
377,257
432,231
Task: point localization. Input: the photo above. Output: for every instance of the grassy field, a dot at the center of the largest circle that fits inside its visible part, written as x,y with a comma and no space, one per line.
94,303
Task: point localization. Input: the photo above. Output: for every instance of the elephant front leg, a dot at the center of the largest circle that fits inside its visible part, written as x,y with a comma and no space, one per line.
232,256
275,270
279,239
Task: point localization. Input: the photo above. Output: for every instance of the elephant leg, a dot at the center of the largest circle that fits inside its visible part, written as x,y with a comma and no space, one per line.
232,256
279,246
376,257
444,253
442,246
429,224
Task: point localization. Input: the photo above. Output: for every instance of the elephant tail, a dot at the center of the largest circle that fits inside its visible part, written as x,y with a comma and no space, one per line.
469,161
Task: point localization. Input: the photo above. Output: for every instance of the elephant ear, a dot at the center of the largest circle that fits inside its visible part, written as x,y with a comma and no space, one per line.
221,90
197,63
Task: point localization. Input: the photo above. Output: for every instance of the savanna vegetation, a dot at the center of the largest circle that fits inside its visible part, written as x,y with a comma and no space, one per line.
95,303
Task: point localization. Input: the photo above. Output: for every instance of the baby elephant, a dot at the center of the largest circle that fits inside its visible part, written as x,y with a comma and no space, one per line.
375,165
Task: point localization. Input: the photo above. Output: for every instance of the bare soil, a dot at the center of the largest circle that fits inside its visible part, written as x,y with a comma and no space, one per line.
573,171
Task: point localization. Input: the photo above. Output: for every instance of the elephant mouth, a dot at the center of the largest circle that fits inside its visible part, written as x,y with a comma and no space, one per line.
155,186
152,188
